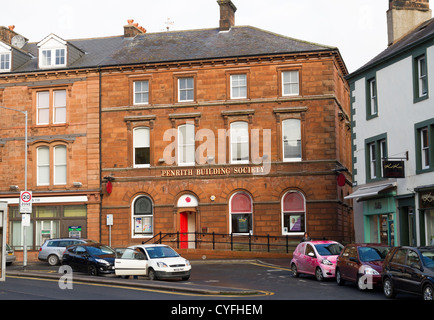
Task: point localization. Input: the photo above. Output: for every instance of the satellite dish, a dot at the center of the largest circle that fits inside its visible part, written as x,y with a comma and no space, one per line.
18,41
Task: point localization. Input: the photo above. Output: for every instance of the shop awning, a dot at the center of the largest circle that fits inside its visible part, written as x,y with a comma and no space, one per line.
370,191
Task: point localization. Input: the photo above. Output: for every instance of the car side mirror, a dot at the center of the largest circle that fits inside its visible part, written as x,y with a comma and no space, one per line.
416,266
354,259
311,254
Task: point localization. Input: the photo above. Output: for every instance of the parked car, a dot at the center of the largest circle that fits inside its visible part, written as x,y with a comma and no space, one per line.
10,255
157,261
52,249
361,263
317,258
410,270
93,258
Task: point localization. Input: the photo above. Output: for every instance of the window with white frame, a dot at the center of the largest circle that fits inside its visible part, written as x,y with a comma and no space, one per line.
51,102
5,62
59,155
291,139
141,92
185,89
53,57
239,137
422,76
43,166
425,150
186,144
290,83
373,106
141,149
238,86
241,212
143,217
376,151
293,213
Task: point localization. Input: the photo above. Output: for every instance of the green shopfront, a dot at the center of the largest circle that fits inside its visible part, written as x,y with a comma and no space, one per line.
379,216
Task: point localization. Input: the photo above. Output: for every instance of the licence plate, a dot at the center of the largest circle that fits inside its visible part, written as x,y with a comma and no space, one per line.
178,269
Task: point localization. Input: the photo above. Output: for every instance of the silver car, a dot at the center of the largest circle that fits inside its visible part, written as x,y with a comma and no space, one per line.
10,255
52,249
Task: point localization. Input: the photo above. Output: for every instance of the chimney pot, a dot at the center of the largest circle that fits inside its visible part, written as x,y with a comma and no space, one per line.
133,29
11,28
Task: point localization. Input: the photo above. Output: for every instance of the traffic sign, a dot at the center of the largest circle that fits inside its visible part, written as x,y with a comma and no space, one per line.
25,202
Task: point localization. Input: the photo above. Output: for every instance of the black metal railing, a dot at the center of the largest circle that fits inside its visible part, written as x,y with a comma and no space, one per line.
222,241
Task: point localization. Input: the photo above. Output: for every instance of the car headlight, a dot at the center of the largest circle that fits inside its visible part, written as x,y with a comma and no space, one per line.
161,265
369,270
326,262
102,261
187,263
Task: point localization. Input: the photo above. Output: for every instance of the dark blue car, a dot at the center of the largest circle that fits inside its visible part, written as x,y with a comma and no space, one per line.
93,258
410,270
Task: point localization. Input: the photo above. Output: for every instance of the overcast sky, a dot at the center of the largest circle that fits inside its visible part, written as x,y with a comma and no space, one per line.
357,27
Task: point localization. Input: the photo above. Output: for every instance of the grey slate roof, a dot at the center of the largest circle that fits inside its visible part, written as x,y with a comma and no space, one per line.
420,34
179,46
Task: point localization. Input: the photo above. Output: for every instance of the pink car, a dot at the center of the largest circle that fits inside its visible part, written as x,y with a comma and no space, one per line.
317,258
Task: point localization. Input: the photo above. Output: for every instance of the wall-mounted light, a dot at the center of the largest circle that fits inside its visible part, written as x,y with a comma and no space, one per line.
77,184
13,188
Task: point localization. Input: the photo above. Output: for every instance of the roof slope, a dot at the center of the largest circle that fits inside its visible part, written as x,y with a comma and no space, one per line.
418,35
179,46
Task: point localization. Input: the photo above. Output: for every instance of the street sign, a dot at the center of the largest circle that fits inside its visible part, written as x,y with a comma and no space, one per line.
25,202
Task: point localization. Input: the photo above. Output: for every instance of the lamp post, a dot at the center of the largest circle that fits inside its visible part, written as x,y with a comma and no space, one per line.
25,185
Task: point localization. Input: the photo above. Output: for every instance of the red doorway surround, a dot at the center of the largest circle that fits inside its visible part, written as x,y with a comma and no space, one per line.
183,229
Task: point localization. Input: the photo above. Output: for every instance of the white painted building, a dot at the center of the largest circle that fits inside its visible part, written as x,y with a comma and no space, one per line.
393,125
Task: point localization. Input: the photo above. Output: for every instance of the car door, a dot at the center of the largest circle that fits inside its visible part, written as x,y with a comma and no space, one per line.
130,262
412,272
396,268
310,259
349,266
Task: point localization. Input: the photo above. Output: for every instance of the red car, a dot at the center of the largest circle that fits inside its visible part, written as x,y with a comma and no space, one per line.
361,263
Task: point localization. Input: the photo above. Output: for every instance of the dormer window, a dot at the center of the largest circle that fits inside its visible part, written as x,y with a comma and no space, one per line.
52,52
5,58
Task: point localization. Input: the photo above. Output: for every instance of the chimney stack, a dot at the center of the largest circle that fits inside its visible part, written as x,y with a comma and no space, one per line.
227,14
6,34
404,15
133,29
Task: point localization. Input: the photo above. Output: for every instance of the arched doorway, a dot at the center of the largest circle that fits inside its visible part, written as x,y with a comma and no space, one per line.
187,209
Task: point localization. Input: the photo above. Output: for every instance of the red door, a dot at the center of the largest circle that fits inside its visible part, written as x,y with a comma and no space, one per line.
183,230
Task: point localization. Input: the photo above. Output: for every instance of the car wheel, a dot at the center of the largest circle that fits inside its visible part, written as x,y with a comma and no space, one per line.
318,274
53,260
294,270
92,270
339,279
427,292
388,289
152,275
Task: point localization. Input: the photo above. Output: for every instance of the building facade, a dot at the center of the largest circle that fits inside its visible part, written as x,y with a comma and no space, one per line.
392,120
232,130
243,135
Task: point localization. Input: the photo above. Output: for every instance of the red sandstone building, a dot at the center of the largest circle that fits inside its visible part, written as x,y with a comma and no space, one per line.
232,130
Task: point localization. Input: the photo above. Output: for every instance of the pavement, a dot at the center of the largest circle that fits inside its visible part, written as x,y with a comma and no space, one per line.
43,270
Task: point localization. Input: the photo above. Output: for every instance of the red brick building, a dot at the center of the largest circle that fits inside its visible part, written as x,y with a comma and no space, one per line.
232,130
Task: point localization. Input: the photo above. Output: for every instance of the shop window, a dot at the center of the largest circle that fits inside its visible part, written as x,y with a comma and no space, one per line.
291,140
239,135
142,153
293,213
143,217
241,211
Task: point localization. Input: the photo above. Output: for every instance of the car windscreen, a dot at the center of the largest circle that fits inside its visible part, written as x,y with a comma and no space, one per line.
367,254
428,258
329,249
101,250
161,252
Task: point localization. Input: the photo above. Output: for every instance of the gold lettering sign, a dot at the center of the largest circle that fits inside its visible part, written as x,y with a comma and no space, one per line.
211,171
